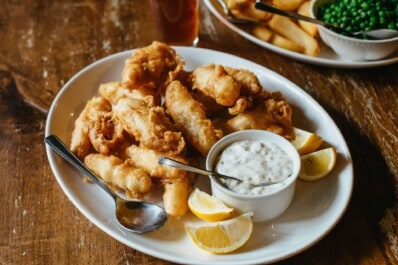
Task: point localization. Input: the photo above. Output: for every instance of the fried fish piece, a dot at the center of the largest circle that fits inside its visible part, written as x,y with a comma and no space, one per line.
151,66
190,117
93,126
120,175
246,79
175,196
147,159
149,125
106,134
228,86
113,91
270,112
214,81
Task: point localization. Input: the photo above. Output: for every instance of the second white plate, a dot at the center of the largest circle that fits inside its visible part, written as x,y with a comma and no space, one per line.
327,56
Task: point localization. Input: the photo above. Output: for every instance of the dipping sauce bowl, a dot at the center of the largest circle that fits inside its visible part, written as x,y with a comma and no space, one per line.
270,201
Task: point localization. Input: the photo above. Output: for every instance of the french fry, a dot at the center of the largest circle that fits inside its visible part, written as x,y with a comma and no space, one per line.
304,10
290,30
262,33
245,9
287,4
282,42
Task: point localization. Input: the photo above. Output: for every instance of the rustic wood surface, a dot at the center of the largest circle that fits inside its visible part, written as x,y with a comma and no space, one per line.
44,43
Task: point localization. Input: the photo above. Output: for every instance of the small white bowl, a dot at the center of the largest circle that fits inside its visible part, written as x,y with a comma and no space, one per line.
264,207
352,48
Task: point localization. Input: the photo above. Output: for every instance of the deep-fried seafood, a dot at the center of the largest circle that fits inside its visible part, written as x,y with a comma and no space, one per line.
241,105
113,91
147,159
246,79
215,82
93,126
106,134
149,125
270,112
232,87
190,118
151,67
175,196
134,181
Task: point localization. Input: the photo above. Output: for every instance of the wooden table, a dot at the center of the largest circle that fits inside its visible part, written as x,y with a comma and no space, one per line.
44,43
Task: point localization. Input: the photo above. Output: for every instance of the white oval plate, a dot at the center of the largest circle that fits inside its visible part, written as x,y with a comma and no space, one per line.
327,57
316,207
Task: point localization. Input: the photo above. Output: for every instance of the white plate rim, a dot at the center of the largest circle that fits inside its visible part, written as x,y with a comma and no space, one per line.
135,241
298,56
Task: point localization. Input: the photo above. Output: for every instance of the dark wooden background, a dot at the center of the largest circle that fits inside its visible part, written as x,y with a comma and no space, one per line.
44,43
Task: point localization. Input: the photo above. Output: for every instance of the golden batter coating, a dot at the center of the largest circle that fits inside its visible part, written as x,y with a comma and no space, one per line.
120,175
215,82
151,67
94,128
149,125
175,196
190,117
113,91
147,159
270,112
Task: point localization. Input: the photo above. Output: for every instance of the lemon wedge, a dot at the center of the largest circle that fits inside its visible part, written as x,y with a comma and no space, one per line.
317,164
207,207
224,236
306,142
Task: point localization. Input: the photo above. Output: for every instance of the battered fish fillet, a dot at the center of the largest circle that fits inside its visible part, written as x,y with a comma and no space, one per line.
113,91
106,134
190,117
134,181
151,66
271,112
147,159
95,129
232,87
246,79
214,81
149,125
175,196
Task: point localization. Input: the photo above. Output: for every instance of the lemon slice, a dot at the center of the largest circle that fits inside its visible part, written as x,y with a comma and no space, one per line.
224,236
207,207
317,164
306,142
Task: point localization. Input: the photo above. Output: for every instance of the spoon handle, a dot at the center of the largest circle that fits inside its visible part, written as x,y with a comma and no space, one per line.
60,148
174,163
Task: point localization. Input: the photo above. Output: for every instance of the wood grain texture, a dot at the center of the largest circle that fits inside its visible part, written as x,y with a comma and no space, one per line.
44,43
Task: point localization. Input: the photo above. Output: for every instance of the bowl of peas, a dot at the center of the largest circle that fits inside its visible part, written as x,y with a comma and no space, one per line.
354,16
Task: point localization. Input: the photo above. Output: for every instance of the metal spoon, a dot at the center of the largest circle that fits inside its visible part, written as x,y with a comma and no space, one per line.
378,34
174,163
134,216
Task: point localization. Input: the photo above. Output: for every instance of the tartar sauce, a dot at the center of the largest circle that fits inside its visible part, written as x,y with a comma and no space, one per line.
254,162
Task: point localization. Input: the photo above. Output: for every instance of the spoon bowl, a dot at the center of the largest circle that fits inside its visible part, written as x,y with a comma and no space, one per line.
133,215
174,163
